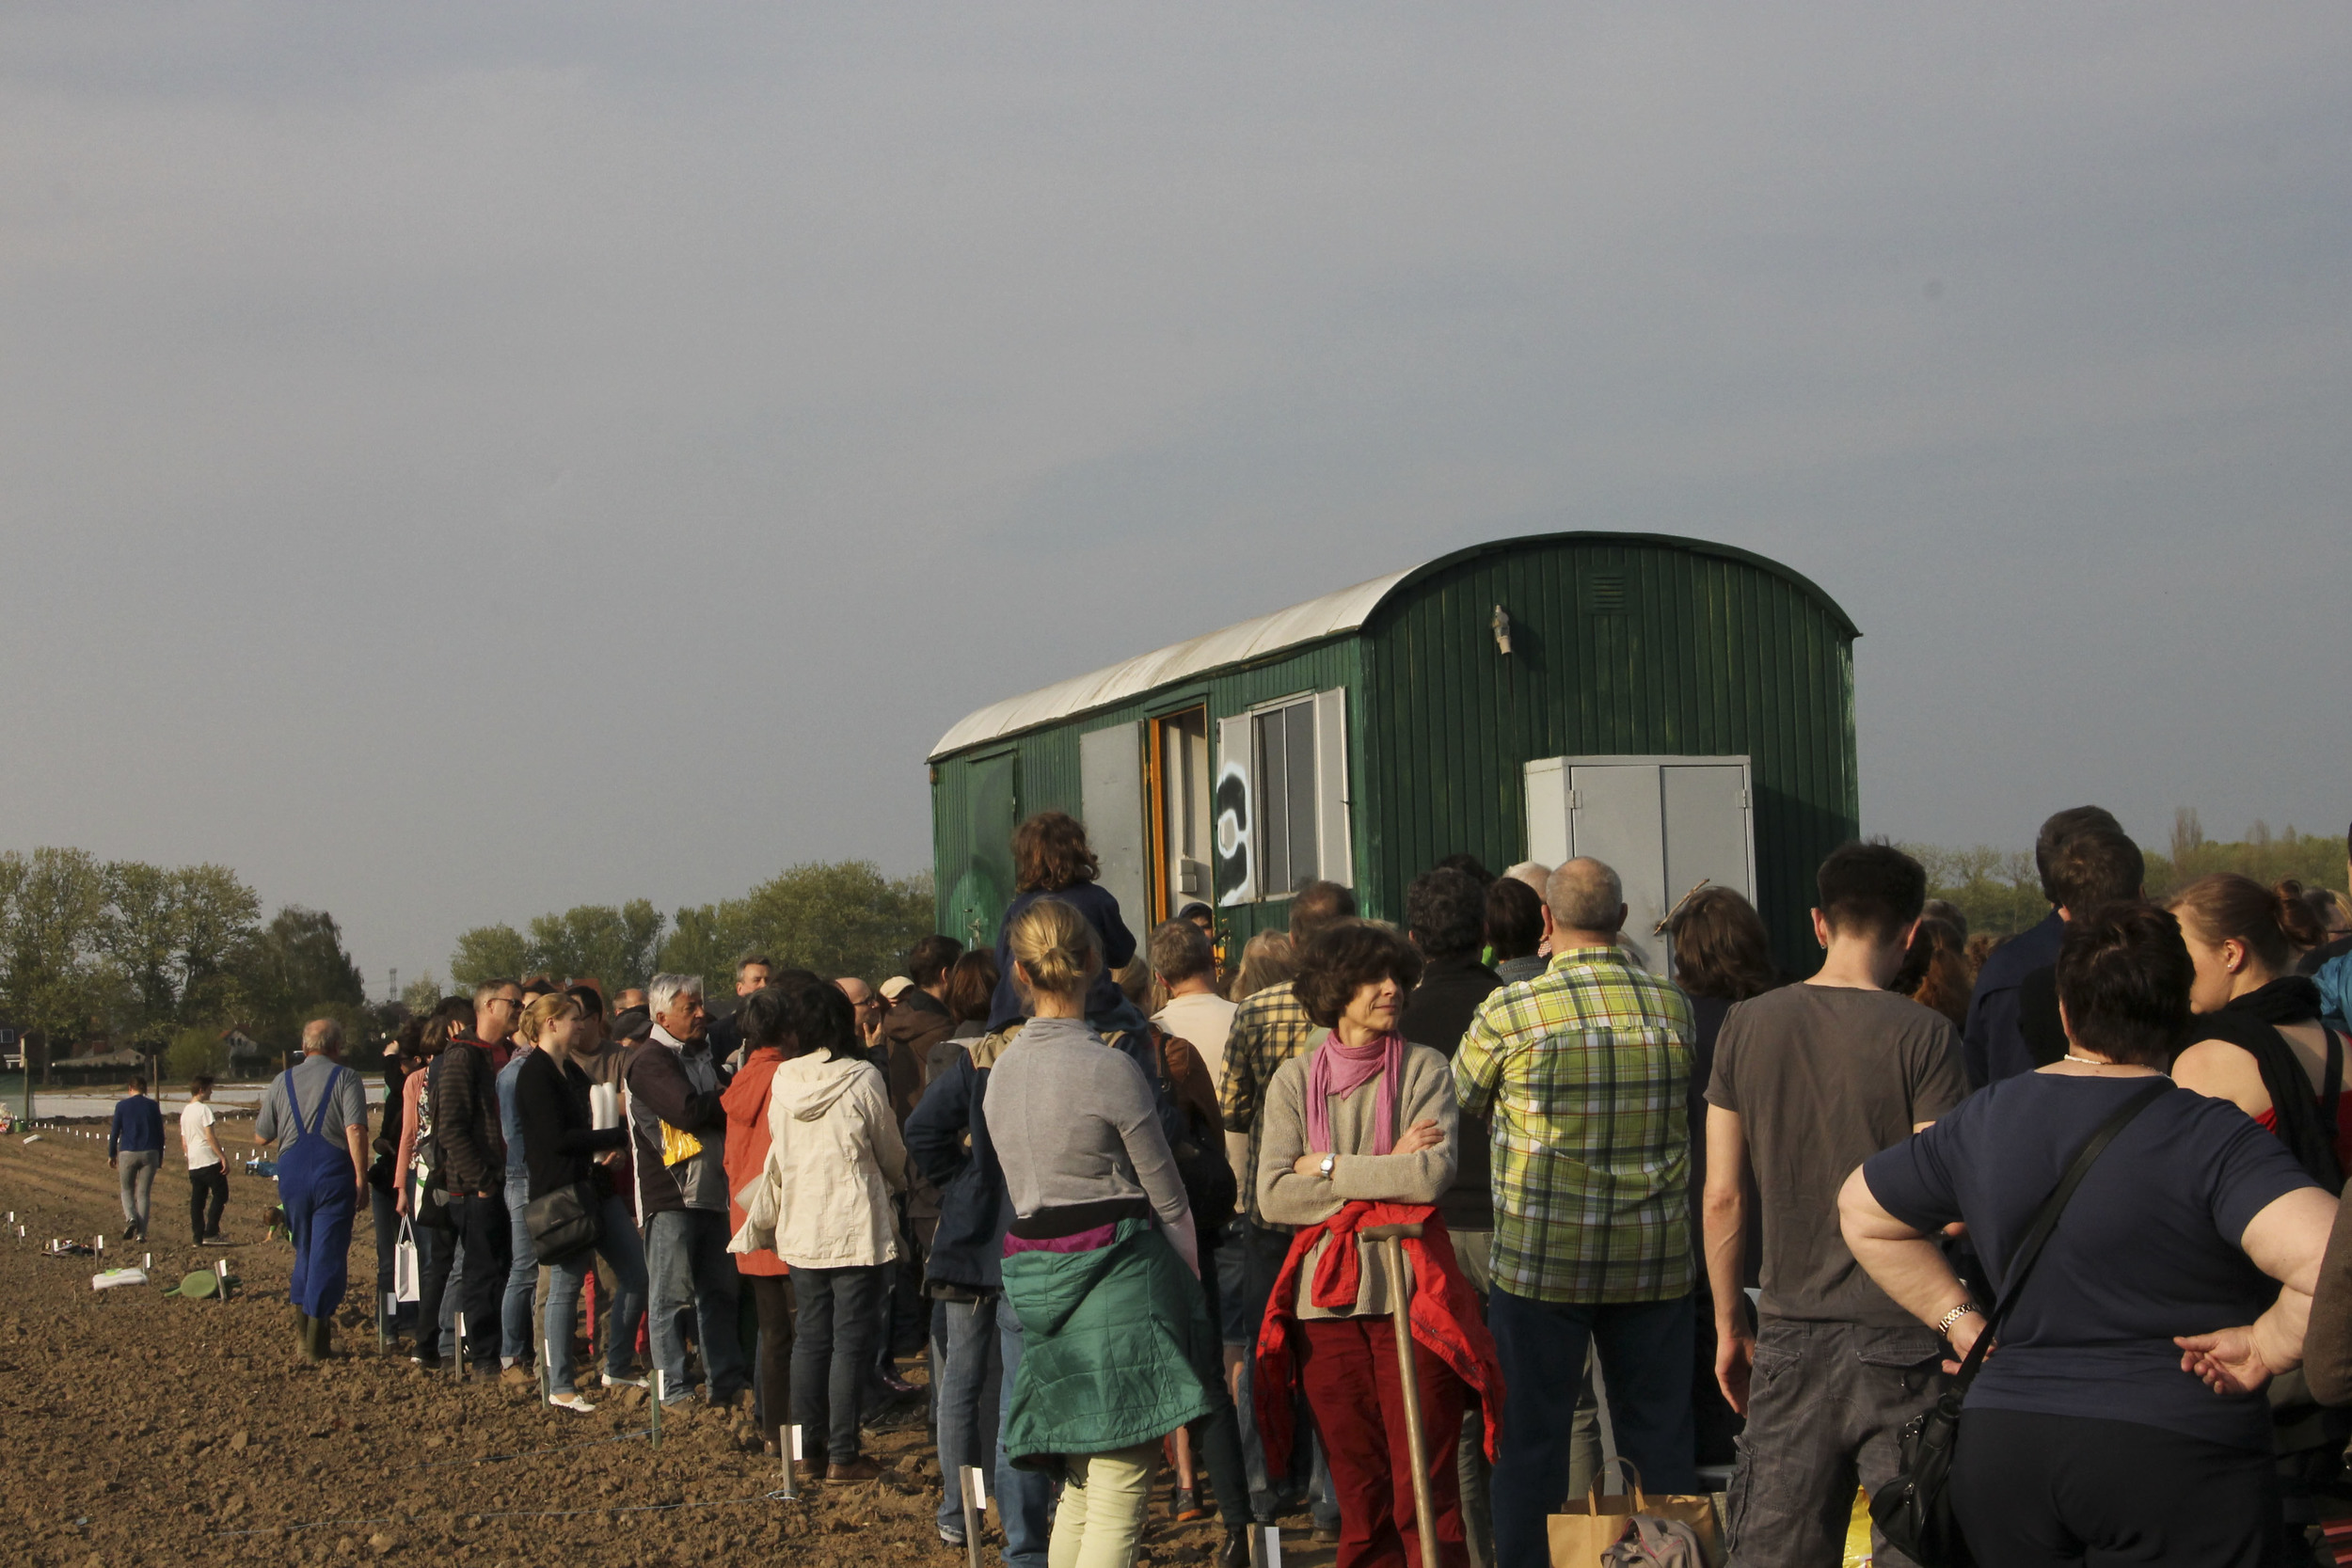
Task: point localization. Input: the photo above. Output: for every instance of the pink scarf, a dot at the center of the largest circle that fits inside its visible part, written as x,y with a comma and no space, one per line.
1341,1069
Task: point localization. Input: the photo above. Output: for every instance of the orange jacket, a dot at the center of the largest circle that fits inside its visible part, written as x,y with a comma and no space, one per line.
746,1101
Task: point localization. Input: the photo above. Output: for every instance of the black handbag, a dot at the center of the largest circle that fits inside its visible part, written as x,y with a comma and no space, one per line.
564,1221
1210,1186
1913,1510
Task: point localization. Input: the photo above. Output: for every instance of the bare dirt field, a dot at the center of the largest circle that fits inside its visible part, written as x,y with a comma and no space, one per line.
137,1428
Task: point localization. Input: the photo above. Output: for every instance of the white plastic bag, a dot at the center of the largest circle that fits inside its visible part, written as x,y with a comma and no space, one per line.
406,1270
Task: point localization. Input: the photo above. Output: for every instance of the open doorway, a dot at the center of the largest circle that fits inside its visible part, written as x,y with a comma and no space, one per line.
1179,774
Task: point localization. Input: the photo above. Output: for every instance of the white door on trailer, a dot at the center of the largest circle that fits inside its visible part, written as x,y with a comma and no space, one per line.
1110,774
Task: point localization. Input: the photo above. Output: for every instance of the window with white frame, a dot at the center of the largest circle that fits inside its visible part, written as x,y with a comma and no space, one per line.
1281,798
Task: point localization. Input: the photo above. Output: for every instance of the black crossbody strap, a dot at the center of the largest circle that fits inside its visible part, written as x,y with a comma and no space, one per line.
2334,1089
2028,1250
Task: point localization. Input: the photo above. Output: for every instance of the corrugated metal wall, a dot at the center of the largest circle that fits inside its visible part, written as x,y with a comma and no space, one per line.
1046,778
1617,647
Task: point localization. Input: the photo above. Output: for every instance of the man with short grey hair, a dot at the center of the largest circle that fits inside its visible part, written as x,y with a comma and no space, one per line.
1585,1071
316,1113
678,1136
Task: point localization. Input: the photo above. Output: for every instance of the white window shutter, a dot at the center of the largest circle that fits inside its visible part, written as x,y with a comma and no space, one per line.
1234,801
1334,842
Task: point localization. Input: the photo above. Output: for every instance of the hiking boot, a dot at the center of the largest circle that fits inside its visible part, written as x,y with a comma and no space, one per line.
1235,1552
857,1470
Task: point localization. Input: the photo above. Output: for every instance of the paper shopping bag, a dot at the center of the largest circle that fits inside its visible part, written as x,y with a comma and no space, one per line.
1582,1531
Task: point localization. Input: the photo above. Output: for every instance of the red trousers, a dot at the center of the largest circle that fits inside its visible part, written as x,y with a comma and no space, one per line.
1348,1369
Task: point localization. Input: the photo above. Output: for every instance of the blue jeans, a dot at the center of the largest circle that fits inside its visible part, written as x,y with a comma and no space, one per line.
522,1276
621,1250
965,1437
686,1265
1646,1361
1024,1498
837,1314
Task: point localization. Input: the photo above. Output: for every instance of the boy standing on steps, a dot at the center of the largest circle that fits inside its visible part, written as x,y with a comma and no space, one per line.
208,1171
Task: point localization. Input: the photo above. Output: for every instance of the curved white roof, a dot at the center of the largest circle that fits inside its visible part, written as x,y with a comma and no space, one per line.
1333,613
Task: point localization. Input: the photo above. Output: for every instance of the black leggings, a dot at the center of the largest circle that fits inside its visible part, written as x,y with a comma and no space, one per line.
208,1195
771,1298
2033,1490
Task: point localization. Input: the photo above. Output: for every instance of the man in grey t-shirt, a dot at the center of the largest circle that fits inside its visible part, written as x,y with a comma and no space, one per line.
1810,1081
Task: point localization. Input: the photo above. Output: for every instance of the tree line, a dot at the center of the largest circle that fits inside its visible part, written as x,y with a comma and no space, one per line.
143,955
1999,891
834,917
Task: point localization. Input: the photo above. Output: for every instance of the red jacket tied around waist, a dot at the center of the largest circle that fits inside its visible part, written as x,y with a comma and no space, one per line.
1445,1317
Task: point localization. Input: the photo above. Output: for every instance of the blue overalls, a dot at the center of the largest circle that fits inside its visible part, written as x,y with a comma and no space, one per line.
321,1193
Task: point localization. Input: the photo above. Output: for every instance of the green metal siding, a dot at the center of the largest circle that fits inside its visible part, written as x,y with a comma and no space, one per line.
1704,655
1047,774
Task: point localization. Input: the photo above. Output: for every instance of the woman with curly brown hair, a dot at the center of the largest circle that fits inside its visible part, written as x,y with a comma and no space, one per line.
1051,859
1360,1130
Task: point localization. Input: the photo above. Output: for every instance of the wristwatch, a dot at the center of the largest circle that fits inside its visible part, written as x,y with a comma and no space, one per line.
1323,1170
1943,1323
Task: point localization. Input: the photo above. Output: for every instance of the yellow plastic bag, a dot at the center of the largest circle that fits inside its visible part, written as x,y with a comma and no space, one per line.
1858,1533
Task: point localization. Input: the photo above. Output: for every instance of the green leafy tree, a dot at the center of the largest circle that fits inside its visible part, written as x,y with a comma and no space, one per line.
488,952
295,969
2000,892
195,1050
837,918
420,994
616,946
173,937
703,940
54,974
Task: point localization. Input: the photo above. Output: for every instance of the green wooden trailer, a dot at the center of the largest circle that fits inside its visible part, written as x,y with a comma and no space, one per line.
1683,710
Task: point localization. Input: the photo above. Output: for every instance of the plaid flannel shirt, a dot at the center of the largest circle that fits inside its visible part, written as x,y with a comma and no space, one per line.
1584,1070
1270,1029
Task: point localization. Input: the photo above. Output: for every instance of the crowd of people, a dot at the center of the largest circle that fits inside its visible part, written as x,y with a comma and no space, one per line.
1149,1214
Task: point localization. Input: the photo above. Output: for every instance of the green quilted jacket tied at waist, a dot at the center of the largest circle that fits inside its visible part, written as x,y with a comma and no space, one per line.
1116,1346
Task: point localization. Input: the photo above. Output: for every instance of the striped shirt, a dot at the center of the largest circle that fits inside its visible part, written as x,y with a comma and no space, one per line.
1269,1029
1584,1070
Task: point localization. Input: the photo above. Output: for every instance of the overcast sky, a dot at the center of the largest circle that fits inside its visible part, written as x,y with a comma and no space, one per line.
458,461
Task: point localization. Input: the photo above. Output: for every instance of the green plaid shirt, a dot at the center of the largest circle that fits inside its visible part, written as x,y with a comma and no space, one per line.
1584,1070
1270,1029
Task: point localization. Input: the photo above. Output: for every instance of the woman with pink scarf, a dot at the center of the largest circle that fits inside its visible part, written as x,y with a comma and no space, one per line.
1362,1118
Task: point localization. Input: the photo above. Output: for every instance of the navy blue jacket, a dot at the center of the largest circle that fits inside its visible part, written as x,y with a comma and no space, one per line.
1095,902
947,1140
139,1126
1994,1045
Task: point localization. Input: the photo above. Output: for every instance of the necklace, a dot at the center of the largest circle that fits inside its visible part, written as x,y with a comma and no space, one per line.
2093,1061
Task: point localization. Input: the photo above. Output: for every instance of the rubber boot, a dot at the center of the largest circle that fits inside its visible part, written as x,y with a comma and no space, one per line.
322,1338
302,1334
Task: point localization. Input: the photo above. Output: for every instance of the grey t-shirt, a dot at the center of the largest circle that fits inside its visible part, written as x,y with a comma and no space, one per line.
1823,1077
307,1079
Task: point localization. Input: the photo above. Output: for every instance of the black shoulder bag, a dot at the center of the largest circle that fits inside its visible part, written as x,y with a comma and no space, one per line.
1914,1509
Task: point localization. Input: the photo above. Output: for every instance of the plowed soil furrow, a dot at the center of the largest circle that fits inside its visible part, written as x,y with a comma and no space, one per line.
137,1428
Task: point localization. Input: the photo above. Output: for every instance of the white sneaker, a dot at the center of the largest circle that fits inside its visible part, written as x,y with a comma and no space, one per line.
573,1401
612,1381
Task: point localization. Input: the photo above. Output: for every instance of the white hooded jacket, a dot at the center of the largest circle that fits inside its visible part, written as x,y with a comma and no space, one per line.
834,1158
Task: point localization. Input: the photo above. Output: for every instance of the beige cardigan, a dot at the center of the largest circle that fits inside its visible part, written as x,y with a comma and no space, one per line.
1287,1197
